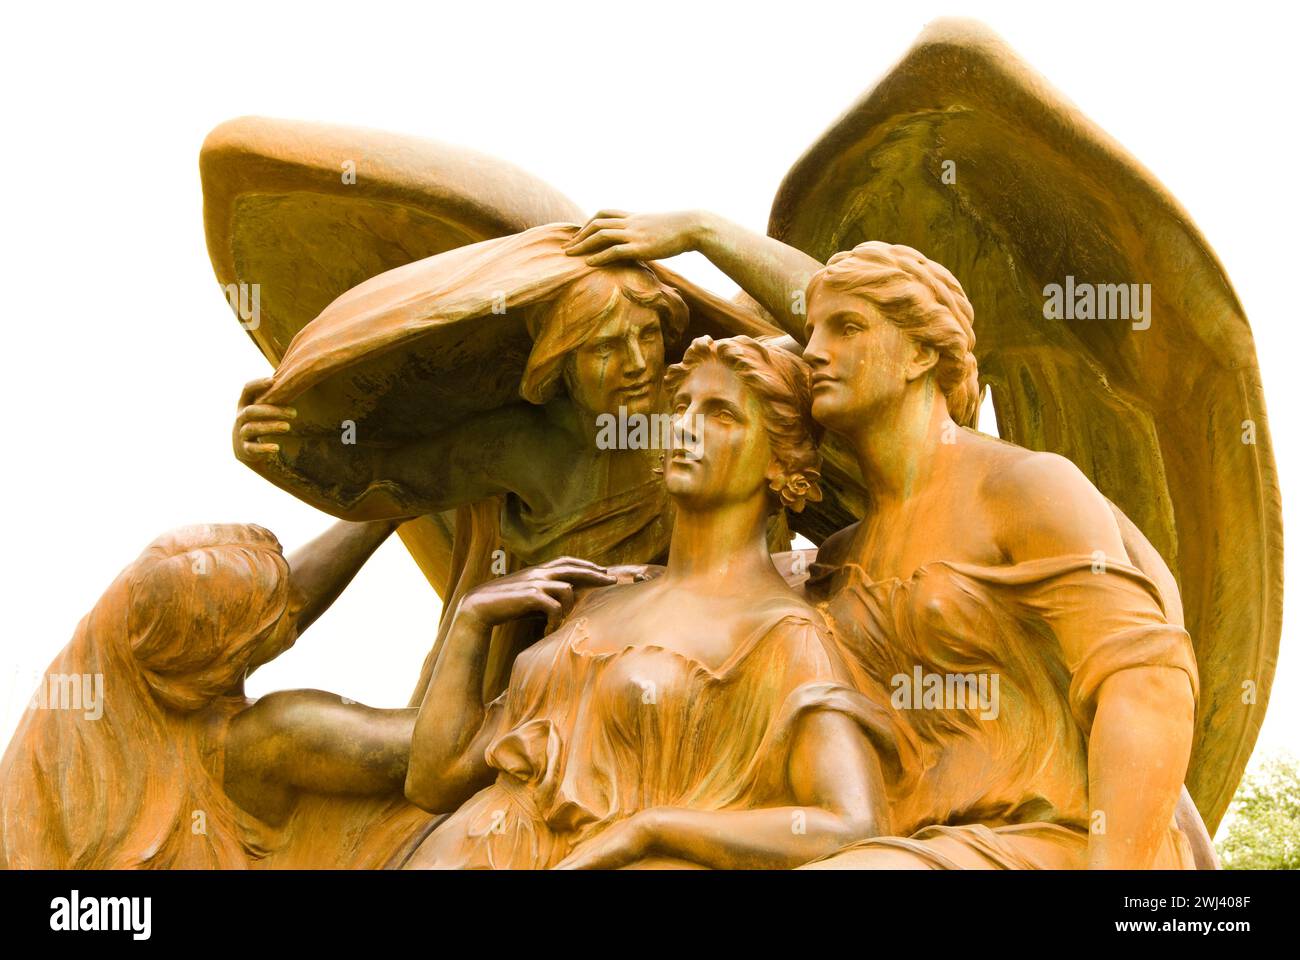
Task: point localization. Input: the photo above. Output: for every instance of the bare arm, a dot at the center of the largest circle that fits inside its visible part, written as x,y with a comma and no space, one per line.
447,762
1137,759
773,273
1141,736
839,794
449,736
295,741
320,570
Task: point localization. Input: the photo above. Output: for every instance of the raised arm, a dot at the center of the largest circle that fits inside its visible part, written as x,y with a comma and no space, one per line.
320,570
774,274
479,458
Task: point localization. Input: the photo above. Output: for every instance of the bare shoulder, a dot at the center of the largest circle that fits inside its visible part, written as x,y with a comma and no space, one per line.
1042,505
1020,473
836,549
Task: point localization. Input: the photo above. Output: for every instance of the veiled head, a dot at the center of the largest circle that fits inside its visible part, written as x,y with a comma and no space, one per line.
207,604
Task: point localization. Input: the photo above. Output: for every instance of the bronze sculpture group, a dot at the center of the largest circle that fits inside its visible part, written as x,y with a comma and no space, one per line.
999,655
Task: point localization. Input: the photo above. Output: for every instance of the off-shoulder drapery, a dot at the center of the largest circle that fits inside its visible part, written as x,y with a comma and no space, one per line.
593,733
1003,782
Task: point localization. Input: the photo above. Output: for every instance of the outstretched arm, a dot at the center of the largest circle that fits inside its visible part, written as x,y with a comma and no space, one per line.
774,274
483,456
839,792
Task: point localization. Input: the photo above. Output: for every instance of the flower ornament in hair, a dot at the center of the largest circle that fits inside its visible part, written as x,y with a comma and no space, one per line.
797,488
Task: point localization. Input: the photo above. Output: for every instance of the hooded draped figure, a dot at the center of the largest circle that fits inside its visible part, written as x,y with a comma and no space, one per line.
139,783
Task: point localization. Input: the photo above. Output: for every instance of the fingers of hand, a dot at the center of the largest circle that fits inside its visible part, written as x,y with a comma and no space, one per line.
558,592
602,237
623,251
636,572
595,224
252,390
603,219
265,411
574,571
252,429
572,562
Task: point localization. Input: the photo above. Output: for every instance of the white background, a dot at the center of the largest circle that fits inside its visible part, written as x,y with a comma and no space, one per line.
123,363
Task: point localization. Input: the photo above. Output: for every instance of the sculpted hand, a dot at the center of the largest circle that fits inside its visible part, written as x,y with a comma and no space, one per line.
547,589
635,572
625,842
257,421
616,235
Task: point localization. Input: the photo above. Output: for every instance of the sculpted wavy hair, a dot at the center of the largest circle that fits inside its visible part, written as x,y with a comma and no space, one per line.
925,301
172,638
563,325
780,381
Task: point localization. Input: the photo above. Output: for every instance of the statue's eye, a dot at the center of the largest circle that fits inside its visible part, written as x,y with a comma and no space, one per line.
726,416
852,329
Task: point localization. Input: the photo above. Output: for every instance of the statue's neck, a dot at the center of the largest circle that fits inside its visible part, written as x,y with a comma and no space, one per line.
900,447
721,548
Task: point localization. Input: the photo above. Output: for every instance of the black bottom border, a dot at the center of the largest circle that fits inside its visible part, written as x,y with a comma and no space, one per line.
672,910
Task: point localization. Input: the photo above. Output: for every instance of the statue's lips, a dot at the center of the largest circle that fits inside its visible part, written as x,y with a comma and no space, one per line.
822,380
636,391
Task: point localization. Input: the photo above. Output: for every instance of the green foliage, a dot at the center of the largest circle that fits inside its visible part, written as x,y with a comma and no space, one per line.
1264,830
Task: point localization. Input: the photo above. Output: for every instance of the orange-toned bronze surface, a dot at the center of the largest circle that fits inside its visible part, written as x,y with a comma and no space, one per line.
1023,651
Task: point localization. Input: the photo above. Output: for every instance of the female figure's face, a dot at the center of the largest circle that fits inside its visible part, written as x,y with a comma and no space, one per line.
621,364
860,361
721,452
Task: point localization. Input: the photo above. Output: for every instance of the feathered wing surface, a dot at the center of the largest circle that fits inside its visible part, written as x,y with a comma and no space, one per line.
966,154
308,211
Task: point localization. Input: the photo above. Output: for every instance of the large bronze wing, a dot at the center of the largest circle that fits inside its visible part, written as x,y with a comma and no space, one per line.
963,152
298,214
307,211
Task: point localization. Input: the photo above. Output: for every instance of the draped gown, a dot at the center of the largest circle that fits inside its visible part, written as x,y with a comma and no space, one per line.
1007,787
593,732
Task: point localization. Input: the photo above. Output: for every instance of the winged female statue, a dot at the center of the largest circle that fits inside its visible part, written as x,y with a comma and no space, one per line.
377,307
